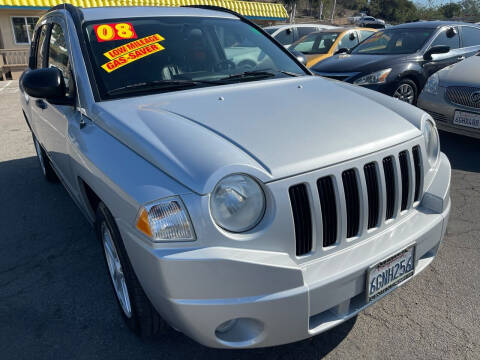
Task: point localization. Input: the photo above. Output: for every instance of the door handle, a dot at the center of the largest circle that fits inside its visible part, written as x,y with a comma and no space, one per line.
460,58
41,104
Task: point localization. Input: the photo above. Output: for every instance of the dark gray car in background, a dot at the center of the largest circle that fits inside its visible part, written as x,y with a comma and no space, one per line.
452,97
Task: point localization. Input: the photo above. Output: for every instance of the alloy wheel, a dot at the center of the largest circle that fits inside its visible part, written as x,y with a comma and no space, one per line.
116,271
405,92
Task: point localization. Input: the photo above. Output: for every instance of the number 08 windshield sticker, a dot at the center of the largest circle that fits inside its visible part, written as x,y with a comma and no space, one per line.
132,51
118,31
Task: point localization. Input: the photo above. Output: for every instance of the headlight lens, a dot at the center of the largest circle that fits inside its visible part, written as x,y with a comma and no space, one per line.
377,77
432,142
432,84
165,220
237,203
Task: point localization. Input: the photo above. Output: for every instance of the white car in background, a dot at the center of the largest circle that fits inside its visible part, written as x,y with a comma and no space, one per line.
288,34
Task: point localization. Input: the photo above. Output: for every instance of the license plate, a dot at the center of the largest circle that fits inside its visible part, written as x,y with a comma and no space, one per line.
387,273
467,119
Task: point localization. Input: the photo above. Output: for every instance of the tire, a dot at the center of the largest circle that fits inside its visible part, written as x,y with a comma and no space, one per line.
407,91
139,315
44,162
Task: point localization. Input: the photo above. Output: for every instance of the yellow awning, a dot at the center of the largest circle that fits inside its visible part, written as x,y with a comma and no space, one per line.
255,10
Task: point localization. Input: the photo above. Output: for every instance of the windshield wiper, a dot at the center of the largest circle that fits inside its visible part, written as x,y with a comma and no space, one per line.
159,84
289,73
248,75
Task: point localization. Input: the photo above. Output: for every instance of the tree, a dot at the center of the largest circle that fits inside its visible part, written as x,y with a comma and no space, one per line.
471,7
393,10
450,10
333,10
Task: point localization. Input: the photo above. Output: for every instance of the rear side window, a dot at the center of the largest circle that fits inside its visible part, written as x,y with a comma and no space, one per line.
58,55
302,31
443,39
470,36
365,34
39,61
348,41
285,37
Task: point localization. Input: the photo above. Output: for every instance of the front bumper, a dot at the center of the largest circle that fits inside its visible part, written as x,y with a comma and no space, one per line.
275,299
443,112
387,88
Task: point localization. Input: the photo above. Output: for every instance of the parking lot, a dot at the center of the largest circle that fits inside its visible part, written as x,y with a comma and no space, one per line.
56,300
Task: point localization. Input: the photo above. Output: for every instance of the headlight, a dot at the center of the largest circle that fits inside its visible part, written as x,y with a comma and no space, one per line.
432,142
237,203
165,220
432,84
377,77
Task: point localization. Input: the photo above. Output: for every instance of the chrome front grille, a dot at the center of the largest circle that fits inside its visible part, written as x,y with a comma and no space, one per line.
356,200
464,95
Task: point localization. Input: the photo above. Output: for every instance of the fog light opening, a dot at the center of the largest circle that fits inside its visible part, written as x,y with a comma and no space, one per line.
227,325
240,332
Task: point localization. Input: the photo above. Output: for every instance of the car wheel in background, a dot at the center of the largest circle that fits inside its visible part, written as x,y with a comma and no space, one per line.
137,311
406,91
45,165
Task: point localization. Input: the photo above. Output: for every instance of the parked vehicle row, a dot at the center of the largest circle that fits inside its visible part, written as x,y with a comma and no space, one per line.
288,34
320,45
398,61
246,206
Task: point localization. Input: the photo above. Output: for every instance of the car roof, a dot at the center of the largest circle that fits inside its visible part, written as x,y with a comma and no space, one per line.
114,12
276,27
429,24
342,29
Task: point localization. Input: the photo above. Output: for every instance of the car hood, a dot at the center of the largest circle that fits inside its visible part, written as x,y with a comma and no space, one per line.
313,59
348,63
464,73
271,129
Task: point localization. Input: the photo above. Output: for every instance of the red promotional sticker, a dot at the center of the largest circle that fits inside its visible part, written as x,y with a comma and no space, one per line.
118,31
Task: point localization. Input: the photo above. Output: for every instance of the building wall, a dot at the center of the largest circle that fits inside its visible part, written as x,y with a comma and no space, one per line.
7,39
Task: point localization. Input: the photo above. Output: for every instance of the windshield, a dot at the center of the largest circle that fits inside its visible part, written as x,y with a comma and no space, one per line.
174,53
394,41
316,43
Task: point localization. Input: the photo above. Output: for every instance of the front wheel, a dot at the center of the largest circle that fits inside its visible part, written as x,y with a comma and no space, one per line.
44,162
406,91
137,311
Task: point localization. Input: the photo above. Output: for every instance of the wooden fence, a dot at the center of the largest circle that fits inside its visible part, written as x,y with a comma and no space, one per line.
13,62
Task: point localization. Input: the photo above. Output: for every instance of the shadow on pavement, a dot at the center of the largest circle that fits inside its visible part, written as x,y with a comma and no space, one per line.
463,151
55,298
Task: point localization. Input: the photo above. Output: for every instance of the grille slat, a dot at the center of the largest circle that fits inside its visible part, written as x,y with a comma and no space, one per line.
404,174
352,202
373,195
389,186
302,218
404,178
326,193
418,171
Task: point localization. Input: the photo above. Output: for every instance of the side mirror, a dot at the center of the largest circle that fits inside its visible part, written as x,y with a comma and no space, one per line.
437,49
300,57
46,83
289,31
341,51
451,32
352,36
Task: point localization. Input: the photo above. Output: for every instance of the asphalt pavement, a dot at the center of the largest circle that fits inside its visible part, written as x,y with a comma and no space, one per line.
56,301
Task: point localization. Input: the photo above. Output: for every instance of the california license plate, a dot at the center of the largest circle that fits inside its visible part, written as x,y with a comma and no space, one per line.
387,273
467,119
